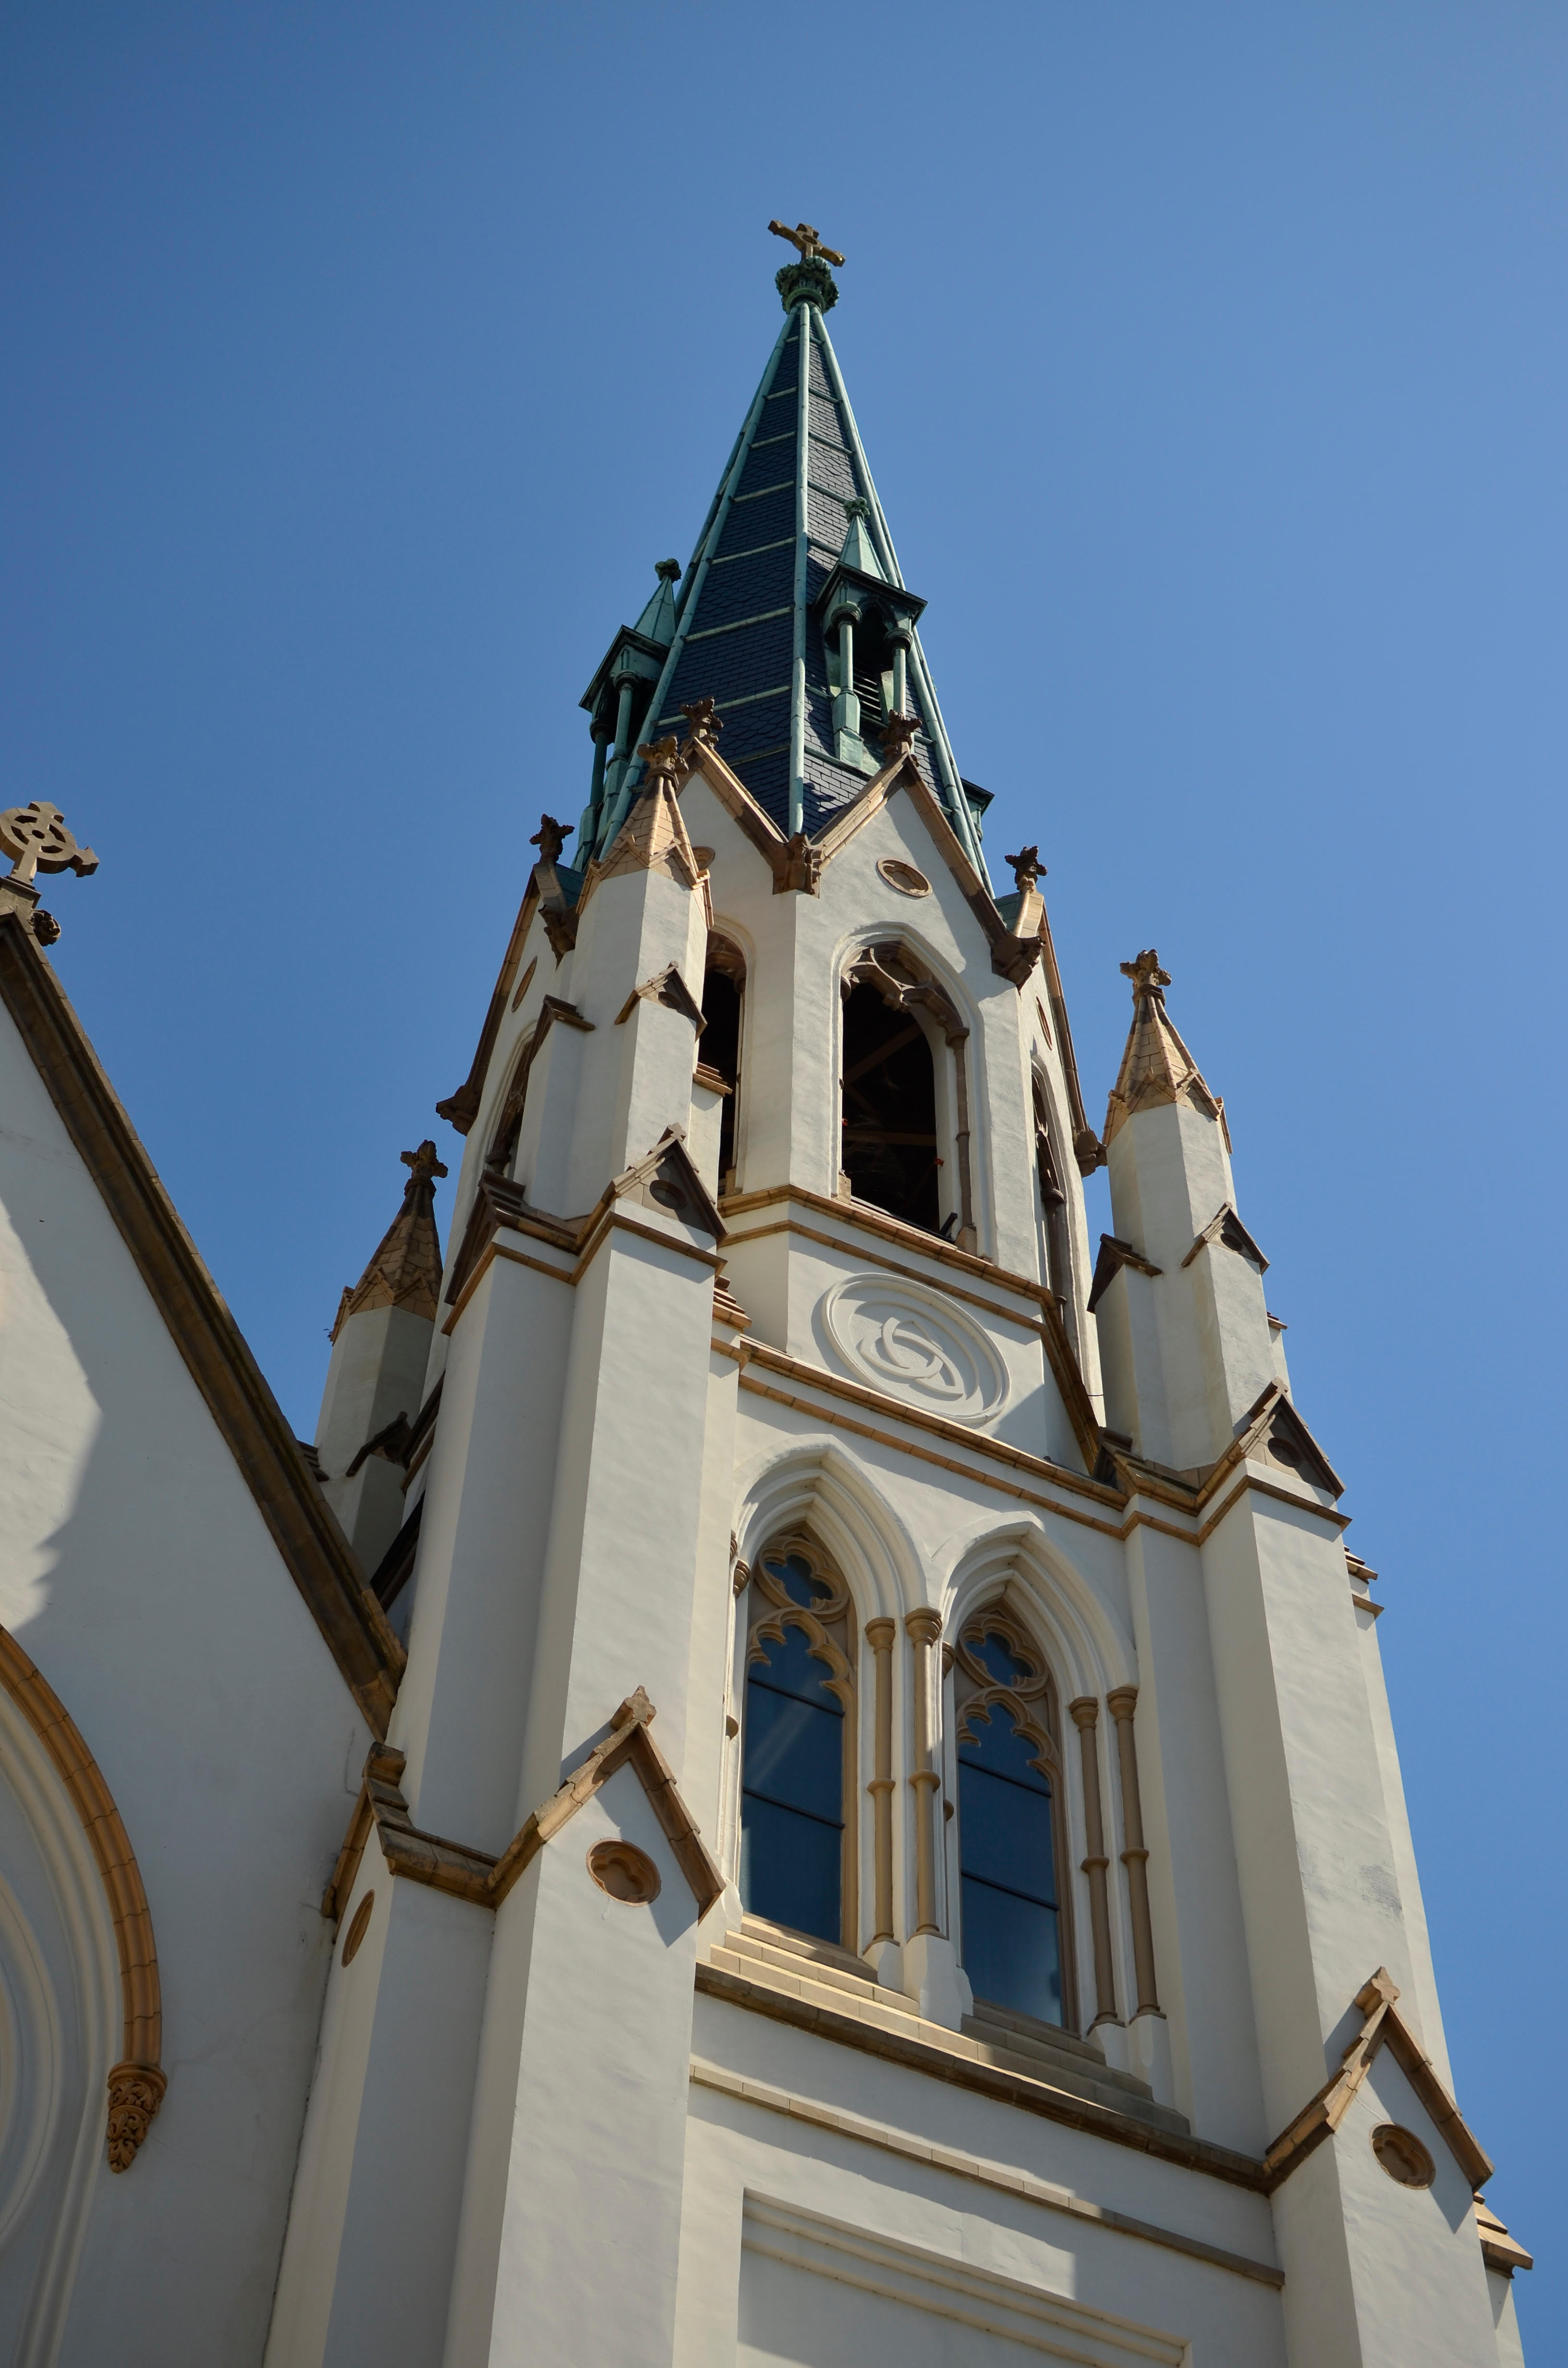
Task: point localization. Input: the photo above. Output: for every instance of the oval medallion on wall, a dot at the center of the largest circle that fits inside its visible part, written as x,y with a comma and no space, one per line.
903,877
915,1344
625,1871
1402,2155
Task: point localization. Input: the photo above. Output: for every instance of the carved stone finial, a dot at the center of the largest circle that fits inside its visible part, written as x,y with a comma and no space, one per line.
135,2093
804,237
1145,972
550,837
424,1162
661,758
702,725
857,506
1027,867
36,836
667,570
898,737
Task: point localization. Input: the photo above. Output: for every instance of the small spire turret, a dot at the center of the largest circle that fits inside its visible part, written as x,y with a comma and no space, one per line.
381,1346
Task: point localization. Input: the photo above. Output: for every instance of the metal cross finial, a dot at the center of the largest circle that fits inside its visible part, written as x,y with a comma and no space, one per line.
704,726
663,759
805,238
550,837
1145,973
37,837
424,1162
1027,867
898,735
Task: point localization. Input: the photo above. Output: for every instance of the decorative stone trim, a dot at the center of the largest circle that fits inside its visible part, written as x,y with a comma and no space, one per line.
1001,2176
1084,1714
1121,1704
136,2085
948,2055
485,1881
880,1635
924,1627
1322,2114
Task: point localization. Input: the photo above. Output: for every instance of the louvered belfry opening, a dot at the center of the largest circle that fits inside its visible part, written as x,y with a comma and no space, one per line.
890,1110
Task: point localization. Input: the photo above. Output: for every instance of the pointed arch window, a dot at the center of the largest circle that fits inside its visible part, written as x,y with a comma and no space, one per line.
890,1156
723,992
1011,1856
1053,1200
797,1843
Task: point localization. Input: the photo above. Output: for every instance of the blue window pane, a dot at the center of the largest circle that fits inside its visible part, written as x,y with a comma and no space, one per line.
794,1753
1010,1952
999,1746
1004,1835
997,1658
794,1576
791,1667
790,1868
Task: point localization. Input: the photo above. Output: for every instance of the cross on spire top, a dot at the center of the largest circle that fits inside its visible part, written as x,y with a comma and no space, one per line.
1145,972
804,236
425,1163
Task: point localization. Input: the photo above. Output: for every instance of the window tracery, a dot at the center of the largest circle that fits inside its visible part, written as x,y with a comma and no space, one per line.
798,1763
1012,1855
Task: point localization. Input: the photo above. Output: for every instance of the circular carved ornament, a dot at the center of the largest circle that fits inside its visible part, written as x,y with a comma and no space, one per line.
903,877
1402,2155
360,1926
913,1345
624,1872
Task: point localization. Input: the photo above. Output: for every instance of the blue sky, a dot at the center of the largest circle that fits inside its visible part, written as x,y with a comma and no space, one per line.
357,363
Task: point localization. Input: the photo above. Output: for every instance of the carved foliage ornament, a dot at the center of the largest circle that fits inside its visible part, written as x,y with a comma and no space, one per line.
135,2093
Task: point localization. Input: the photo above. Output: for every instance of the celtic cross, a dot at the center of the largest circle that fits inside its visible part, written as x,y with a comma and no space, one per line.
36,836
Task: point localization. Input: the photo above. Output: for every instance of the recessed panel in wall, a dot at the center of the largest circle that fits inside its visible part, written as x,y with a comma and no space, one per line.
818,2294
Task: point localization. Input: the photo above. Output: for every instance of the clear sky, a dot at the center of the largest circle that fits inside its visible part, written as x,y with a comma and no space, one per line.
357,363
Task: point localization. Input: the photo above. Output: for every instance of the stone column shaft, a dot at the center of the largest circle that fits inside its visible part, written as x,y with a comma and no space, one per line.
1134,1858
923,1628
880,1635
1084,1714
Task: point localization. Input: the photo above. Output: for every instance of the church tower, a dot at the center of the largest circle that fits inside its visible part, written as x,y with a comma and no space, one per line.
888,1845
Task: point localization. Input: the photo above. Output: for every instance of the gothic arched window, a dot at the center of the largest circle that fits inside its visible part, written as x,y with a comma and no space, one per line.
897,1016
723,988
797,1862
1053,1200
1010,1853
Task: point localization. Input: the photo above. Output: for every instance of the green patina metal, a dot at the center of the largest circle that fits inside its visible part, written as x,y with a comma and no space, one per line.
806,283
653,650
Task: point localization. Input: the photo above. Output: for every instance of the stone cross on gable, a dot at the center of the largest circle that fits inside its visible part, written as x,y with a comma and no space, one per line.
663,760
702,724
898,735
425,1164
1145,973
550,837
1027,867
36,836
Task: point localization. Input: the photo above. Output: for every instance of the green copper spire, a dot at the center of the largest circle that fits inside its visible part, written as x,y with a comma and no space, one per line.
793,616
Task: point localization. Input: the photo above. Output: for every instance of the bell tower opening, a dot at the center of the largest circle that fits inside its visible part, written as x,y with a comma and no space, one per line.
890,1110
723,991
